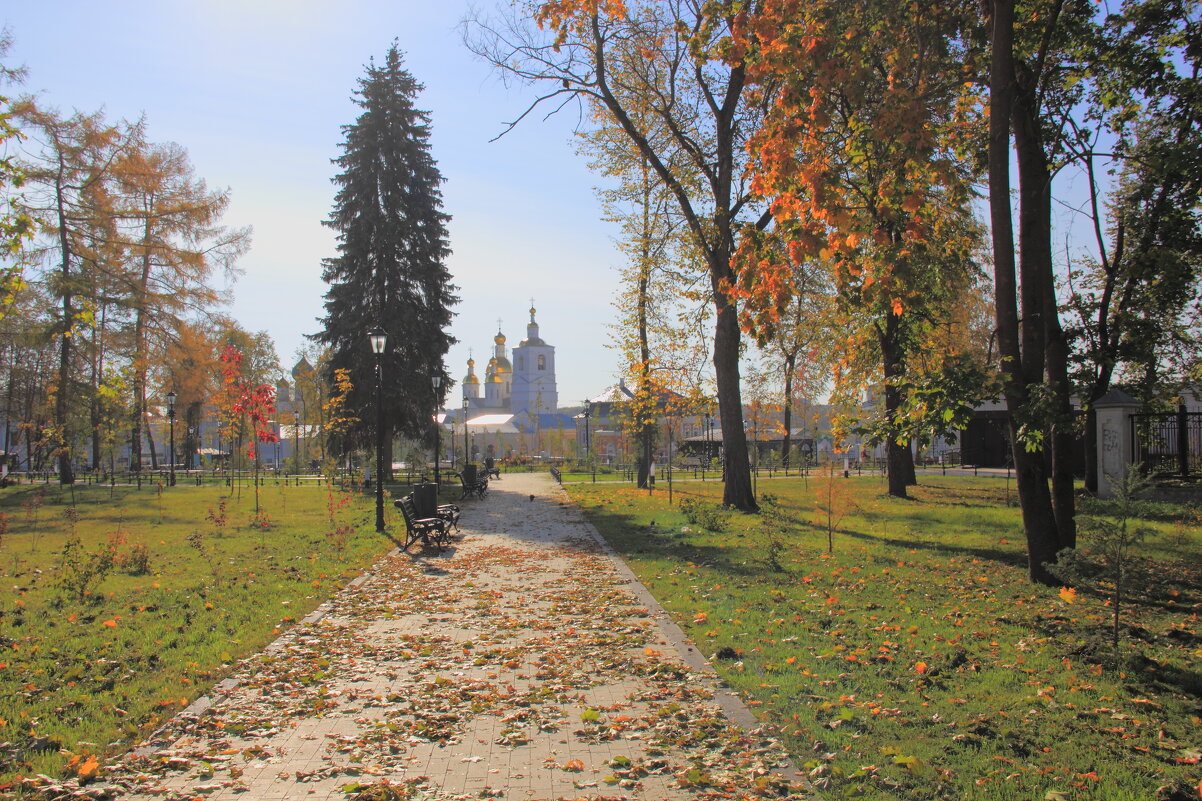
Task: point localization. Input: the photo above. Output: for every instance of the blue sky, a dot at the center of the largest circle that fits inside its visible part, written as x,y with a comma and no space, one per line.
257,90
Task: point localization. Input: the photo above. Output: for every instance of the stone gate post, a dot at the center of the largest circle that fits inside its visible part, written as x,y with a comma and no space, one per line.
1116,448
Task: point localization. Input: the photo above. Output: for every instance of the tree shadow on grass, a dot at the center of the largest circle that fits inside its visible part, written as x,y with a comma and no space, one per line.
1011,558
631,537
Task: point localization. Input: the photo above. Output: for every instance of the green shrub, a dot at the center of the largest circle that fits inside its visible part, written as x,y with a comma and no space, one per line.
79,570
710,516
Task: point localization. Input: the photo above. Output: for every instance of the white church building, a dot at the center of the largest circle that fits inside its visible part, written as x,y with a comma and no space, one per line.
514,408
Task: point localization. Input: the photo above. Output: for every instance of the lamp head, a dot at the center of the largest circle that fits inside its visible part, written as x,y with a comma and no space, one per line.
171,402
378,339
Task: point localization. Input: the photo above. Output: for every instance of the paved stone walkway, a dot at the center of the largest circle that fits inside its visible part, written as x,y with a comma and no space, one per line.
524,662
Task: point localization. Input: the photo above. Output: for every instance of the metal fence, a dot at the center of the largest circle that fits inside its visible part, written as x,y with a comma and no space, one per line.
1169,443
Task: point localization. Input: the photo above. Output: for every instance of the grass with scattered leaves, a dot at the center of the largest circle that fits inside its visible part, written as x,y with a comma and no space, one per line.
121,606
916,661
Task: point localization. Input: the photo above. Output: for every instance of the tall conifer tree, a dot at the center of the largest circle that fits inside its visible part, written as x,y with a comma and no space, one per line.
390,272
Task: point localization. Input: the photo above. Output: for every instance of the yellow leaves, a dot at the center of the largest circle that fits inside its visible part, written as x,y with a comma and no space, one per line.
701,617
573,766
1068,595
112,624
920,667
897,307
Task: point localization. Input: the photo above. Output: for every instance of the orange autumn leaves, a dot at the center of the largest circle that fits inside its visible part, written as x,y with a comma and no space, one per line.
85,766
561,15
857,151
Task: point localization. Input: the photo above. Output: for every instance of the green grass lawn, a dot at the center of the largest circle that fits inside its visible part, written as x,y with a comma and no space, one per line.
121,606
916,661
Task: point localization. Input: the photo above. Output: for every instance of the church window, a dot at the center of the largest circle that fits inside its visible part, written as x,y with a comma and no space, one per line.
542,362
521,362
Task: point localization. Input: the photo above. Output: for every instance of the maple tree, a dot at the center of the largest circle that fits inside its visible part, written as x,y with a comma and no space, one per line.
1043,64
663,74
862,156
247,406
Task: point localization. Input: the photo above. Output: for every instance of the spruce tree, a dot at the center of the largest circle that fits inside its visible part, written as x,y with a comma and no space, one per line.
390,271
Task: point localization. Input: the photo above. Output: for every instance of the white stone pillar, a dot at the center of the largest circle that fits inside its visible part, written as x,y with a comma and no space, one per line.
1116,446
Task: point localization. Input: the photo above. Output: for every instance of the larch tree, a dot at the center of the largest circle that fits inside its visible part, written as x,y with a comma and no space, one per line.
69,195
16,226
390,269
191,370
662,72
170,225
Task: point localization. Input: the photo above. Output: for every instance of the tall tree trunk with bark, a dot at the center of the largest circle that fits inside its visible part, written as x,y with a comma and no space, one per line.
66,473
1035,266
787,418
1020,347
899,458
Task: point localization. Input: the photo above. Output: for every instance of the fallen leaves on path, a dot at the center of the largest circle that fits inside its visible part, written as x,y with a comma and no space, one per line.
440,663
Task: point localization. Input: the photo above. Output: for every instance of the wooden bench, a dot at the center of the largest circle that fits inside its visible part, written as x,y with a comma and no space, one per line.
426,529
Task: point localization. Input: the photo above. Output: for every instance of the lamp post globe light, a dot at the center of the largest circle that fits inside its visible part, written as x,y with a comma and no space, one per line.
436,380
171,437
378,339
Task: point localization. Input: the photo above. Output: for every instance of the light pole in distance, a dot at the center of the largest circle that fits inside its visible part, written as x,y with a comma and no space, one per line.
588,440
171,436
467,454
379,339
436,380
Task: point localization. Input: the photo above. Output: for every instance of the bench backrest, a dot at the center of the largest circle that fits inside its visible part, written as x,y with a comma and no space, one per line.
408,510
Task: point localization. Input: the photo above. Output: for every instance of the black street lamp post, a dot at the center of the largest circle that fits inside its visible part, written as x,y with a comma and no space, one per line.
436,380
378,340
588,440
171,436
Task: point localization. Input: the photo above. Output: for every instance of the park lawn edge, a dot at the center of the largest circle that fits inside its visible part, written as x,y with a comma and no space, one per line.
916,661
95,675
